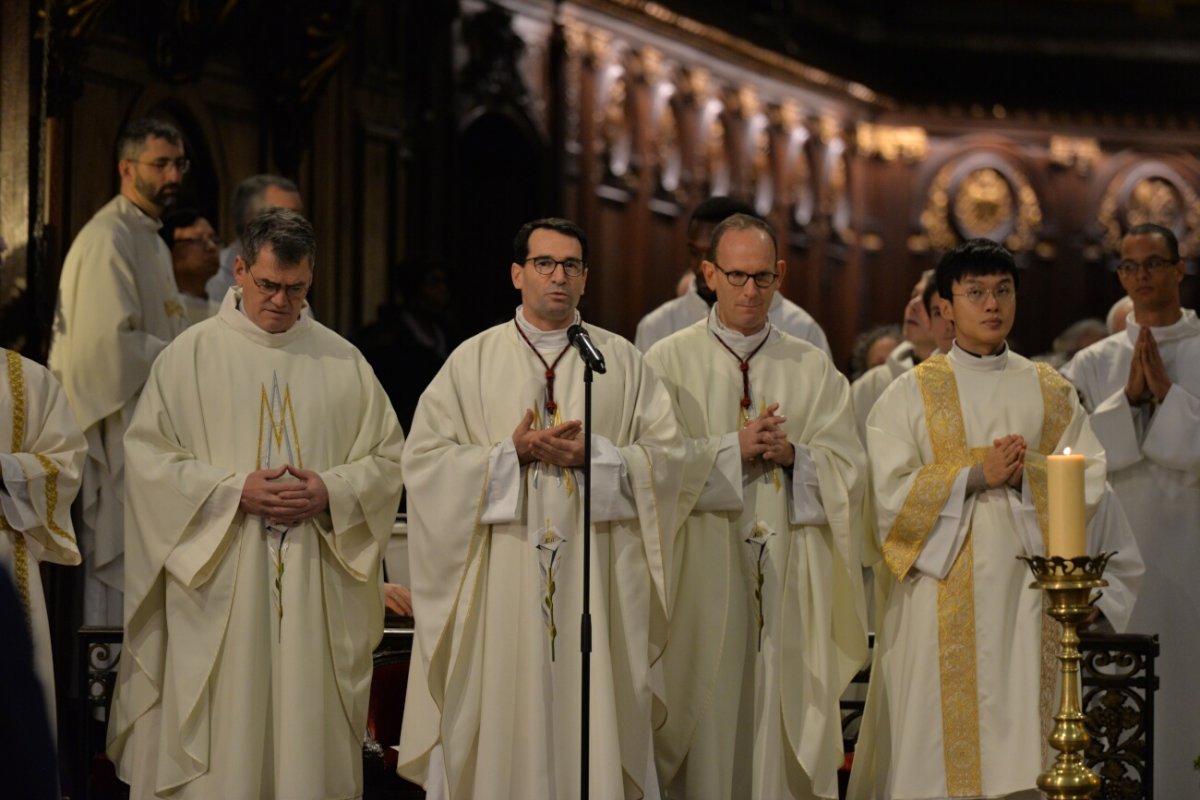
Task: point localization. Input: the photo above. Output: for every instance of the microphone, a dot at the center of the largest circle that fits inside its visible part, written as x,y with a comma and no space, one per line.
579,339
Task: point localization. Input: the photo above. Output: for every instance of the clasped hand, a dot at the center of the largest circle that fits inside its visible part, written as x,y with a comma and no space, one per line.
1147,373
763,438
560,445
1005,462
282,502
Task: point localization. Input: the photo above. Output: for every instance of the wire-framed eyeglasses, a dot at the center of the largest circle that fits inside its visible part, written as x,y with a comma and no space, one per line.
976,295
294,291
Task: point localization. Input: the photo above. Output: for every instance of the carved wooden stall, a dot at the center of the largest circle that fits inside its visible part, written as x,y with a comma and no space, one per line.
643,112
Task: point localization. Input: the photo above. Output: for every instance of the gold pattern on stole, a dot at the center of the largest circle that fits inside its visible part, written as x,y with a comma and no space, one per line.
266,412
16,382
173,308
956,594
1056,405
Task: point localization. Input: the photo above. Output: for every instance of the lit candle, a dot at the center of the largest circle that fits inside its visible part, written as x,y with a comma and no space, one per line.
1068,531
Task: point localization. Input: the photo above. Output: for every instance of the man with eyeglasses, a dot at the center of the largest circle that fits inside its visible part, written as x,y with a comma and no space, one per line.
118,307
768,617
1142,386
963,675
496,550
693,305
263,476
195,249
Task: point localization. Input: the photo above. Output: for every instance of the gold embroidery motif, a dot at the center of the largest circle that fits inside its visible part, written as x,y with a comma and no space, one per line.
16,382
959,676
173,308
52,496
287,414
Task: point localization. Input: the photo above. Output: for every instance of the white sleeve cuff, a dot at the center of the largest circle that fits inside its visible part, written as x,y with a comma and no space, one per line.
1171,439
949,532
723,489
502,499
1114,426
612,494
14,495
806,507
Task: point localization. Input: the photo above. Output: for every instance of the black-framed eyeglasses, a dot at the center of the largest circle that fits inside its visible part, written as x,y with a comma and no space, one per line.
1151,265
763,280
294,291
977,294
182,164
545,265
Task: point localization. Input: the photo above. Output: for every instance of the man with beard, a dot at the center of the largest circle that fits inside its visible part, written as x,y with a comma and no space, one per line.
118,306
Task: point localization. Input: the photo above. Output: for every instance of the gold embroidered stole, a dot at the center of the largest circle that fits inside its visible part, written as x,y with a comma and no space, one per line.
956,593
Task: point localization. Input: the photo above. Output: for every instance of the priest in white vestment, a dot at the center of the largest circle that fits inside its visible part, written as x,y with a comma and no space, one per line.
118,307
1142,386
693,304
964,677
496,551
41,457
263,479
767,616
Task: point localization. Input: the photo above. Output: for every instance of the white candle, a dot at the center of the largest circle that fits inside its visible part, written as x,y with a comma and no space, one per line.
1068,531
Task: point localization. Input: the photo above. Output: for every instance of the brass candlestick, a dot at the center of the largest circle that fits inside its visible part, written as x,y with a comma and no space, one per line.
1068,584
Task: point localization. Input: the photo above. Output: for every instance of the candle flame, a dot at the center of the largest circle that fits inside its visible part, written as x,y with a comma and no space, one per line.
1066,451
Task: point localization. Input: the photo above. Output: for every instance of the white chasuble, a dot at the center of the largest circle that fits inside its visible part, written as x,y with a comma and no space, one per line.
246,665
964,679
41,454
767,616
493,705
1154,467
118,307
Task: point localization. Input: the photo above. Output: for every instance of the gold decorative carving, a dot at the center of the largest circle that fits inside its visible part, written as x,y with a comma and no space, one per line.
891,143
1081,153
1154,197
828,129
983,200
983,203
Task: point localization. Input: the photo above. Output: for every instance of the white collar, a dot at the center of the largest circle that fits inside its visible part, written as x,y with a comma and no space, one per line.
740,343
540,339
992,363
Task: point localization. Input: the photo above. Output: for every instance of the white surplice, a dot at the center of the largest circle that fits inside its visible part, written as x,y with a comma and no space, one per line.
42,452
1154,467
681,312
964,716
496,557
767,619
118,307
247,665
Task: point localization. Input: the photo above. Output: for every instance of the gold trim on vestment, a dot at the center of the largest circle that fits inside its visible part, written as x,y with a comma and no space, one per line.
16,382
956,594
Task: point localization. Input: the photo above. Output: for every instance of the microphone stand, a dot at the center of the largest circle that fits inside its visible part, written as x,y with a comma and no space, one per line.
585,623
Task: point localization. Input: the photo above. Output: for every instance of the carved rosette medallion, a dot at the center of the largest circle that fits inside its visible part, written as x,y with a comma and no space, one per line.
1150,192
981,197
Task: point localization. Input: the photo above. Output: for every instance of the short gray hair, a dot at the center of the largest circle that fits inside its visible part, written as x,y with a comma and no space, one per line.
132,140
247,200
289,235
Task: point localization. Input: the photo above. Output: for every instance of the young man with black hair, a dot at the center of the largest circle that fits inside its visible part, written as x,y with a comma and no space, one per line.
963,682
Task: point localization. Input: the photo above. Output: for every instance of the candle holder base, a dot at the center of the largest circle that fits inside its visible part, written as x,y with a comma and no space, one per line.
1068,584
